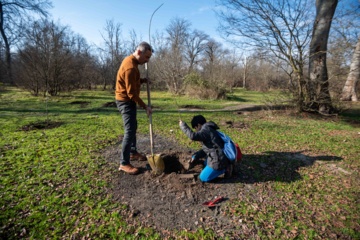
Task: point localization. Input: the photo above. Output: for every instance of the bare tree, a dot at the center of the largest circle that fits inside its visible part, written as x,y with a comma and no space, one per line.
12,14
170,58
230,69
218,67
340,49
46,60
279,29
178,31
159,62
84,64
113,52
318,94
194,46
134,41
217,72
343,42
212,54
349,90
246,62
2,61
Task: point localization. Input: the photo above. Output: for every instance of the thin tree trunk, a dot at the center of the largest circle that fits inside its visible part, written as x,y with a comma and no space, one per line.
245,72
318,95
348,92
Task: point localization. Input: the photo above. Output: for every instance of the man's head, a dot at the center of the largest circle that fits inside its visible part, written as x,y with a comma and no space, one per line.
197,122
143,52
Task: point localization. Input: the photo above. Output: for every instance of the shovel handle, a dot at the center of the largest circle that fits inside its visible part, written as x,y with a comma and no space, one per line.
149,105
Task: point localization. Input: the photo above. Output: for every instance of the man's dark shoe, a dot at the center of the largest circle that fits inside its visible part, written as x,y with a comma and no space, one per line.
137,156
130,169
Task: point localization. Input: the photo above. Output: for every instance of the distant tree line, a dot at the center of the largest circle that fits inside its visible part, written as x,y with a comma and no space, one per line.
277,44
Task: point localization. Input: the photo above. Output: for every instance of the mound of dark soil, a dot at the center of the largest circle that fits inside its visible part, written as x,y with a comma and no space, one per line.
110,104
41,125
173,200
81,103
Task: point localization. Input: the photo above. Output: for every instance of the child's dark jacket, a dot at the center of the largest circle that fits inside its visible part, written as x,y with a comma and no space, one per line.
212,144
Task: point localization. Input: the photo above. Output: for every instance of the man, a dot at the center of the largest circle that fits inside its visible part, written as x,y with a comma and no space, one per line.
216,163
127,95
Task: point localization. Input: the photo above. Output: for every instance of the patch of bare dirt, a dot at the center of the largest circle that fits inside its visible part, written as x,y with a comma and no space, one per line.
173,200
109,104
41,125
81,103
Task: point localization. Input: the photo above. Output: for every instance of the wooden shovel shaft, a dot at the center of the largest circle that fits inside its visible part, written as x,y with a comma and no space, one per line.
151,136
149,105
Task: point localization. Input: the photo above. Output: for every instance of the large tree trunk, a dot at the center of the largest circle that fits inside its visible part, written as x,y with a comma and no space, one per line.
318,95
349,90
7,47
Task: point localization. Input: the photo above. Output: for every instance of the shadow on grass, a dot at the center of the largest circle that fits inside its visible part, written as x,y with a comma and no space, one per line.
107,107
352,117
3,90
236,98
87,97
101,110
110,107
274,166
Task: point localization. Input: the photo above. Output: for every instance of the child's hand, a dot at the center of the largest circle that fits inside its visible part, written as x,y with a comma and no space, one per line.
193,158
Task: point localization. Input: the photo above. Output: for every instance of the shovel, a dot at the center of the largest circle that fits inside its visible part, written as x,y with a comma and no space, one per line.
156,162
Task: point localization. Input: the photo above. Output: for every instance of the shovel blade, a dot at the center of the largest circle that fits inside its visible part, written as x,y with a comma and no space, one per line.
156,163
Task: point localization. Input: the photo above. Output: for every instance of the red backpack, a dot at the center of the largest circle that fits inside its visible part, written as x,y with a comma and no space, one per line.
238,153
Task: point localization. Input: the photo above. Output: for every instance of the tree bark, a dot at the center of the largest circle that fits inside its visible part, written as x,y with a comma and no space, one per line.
317,93
7,46
349,90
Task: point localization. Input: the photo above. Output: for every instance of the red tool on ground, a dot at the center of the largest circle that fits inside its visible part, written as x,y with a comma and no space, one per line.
213,202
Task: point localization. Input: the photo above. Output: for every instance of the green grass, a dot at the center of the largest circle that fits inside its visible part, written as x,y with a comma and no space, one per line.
53,181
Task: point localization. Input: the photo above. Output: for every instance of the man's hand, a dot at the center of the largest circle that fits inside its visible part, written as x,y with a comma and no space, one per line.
180,122
148,111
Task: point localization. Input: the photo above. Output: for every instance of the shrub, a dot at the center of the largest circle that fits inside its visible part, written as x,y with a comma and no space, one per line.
196,86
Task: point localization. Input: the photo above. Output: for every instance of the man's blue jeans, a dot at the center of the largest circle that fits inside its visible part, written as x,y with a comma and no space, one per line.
128,113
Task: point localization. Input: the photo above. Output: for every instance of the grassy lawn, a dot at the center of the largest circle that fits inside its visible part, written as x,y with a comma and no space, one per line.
54,180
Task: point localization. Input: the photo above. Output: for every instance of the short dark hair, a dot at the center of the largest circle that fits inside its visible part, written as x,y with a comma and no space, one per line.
198,119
